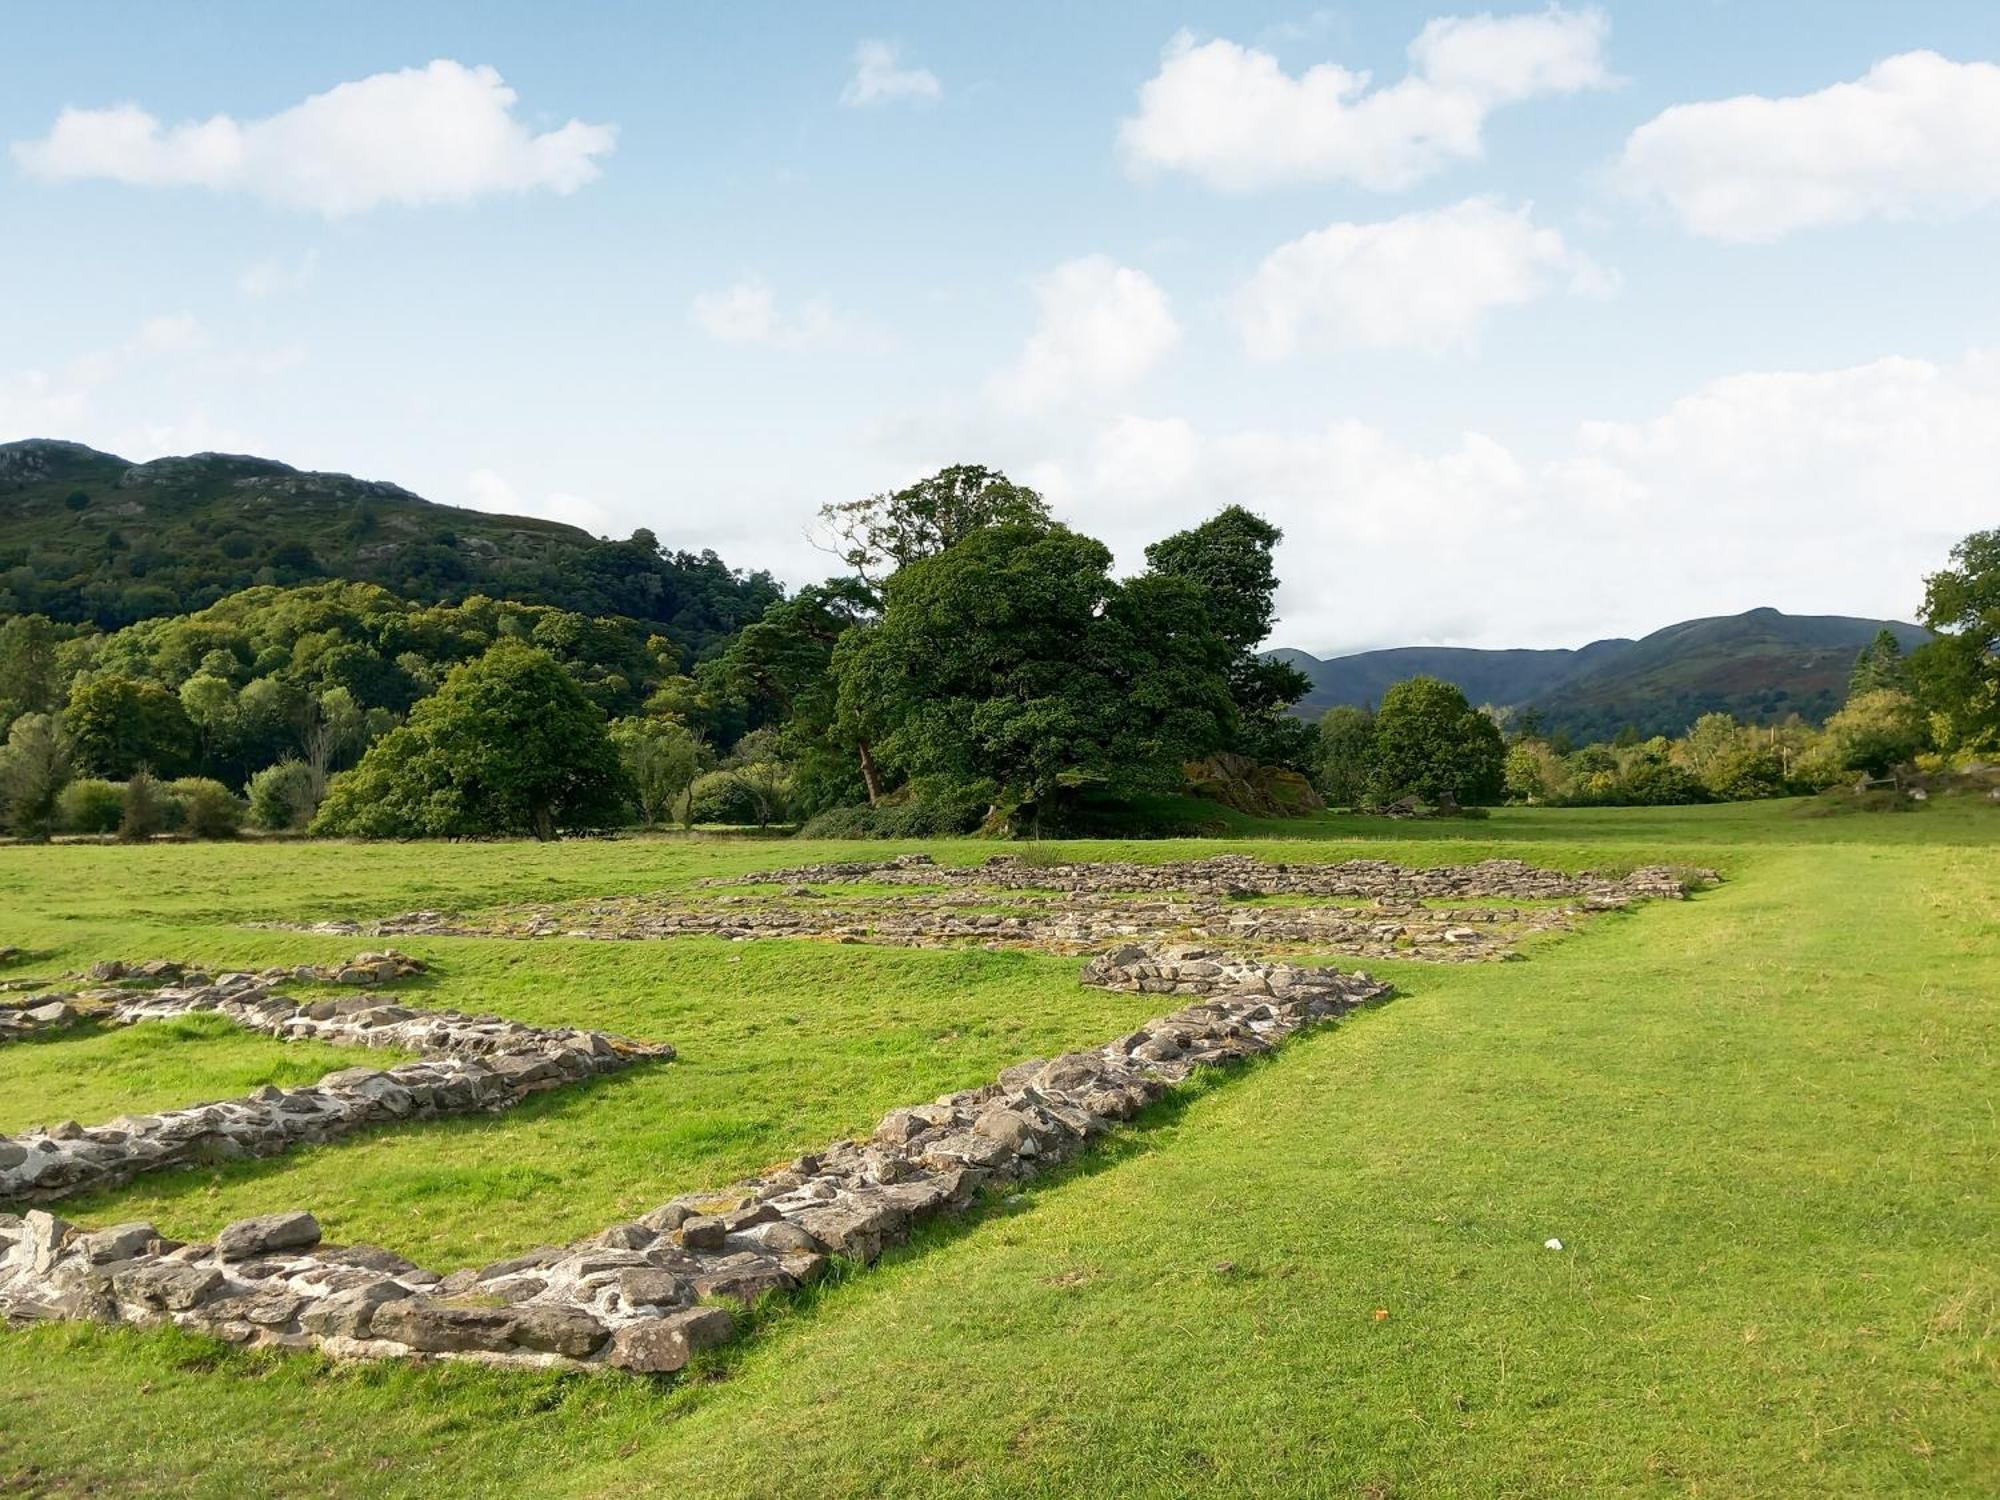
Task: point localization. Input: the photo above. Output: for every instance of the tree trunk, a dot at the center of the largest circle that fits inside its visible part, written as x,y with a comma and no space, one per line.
545,824
870,777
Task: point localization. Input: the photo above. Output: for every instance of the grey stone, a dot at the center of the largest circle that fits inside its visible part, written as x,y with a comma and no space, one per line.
267,1232
558,1330
442,1327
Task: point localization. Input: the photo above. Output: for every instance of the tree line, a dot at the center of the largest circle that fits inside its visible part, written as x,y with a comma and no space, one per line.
974,663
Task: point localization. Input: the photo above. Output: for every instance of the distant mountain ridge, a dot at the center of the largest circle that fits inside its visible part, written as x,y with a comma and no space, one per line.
1761,665
87,536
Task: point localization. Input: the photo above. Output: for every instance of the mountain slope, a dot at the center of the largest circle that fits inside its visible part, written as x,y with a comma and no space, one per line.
1760,665
89,536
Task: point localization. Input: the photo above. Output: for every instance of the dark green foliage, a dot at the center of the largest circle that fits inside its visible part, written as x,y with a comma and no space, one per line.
779,672
508,744
121,724
1881,664
214,524
1431,744
1229,558
722,797
882,534
206,808
1015,658
1347,755
281,796
1958,674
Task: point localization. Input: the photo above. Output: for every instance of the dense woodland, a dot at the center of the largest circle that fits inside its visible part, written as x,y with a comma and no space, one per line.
976,664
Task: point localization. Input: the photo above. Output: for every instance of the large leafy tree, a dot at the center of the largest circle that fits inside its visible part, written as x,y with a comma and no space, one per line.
1958,673
1229,558
878,535
120,724
1431,743
1014,659
508,744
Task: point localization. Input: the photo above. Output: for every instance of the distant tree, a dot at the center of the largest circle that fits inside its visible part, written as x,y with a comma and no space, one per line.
661,758
36,764
1880,665
1877,732
29,678
1347,754
1015,658
509,744
1431,743
1230,558
145,810
759,764
1958,672
122,723
208,809
780,671
90,805
281,796
1533,772
883,533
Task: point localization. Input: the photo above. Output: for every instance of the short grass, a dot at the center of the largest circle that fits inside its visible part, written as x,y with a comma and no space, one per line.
95,1071
1761,1122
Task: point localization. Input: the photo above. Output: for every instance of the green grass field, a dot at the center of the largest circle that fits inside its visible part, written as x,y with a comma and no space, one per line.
1762,1123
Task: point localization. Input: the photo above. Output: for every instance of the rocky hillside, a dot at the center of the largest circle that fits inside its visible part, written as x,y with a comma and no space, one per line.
89,536
1760,665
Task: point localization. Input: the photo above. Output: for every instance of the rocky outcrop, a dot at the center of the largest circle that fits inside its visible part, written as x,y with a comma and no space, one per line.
637,1296
469,1063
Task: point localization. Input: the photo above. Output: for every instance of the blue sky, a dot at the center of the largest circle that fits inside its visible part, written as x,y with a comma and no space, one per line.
1546,331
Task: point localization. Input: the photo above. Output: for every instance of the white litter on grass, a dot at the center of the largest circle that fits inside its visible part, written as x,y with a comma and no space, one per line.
1552,1244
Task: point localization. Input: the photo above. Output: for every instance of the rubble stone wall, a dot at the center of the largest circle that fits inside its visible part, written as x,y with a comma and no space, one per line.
636,1295
469,1063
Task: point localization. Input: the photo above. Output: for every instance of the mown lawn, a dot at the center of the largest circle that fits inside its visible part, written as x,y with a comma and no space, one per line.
1761,1123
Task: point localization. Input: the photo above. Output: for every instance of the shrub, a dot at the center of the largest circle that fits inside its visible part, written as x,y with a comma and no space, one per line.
1431,743
92,805
722,797
281,795
143,813
208,809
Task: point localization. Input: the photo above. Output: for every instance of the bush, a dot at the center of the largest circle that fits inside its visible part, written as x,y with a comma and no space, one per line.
91,806
281,796
208,809
144,810
722,797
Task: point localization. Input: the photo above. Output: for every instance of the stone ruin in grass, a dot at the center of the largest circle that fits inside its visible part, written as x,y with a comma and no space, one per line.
1361,908
640,1295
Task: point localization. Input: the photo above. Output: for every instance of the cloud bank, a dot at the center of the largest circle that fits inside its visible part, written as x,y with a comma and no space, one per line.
445,133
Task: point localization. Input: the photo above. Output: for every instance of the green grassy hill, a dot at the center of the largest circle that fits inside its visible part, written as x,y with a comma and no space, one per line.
88,536
1760,666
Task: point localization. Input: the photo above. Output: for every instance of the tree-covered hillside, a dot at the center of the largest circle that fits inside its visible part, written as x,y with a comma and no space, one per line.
87,537
1760,666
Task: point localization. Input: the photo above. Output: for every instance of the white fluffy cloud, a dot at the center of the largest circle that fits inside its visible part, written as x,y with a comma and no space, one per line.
1917,135
1424,280
1101,327
445,133
880,78
1814,491
1231,116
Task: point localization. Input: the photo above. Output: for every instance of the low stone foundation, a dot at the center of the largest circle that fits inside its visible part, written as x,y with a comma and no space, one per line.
469,1063
632,1296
